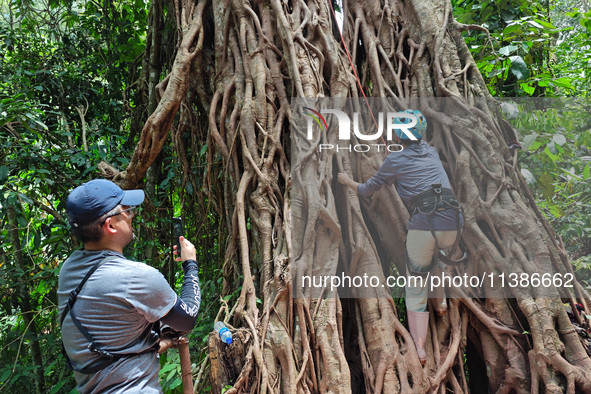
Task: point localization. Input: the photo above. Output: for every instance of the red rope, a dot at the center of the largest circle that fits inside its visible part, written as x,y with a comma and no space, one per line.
354,71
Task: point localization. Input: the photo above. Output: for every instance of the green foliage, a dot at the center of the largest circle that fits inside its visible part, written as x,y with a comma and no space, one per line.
170,372
573,48
556,162
68,80
582,267
518,56
50,68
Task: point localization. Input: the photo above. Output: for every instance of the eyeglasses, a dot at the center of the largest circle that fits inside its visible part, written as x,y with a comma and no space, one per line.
130,214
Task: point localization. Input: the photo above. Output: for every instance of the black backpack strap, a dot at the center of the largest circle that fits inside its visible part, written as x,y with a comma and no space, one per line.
105,357
74,293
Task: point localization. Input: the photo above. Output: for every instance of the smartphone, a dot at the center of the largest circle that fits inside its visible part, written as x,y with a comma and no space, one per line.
177,230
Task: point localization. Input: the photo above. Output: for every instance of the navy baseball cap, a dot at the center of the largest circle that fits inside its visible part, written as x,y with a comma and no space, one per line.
93,199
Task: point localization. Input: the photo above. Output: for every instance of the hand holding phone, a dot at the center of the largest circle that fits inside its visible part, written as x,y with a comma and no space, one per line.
178,231
183,248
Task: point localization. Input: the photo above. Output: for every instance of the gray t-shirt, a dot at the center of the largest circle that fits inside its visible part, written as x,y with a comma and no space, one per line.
118,305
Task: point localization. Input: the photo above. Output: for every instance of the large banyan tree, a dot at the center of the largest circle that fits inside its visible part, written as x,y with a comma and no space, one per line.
237,67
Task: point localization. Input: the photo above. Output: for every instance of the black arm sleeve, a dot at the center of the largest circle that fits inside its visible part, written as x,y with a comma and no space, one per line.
183,315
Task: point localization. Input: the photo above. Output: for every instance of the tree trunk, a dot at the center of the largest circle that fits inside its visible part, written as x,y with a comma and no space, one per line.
24,301
237,65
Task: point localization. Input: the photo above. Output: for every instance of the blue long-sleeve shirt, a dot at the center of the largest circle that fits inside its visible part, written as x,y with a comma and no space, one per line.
413,171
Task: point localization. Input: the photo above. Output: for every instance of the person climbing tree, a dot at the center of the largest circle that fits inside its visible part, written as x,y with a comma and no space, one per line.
435,220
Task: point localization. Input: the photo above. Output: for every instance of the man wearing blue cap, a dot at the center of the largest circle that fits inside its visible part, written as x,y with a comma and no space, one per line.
111,307
435,221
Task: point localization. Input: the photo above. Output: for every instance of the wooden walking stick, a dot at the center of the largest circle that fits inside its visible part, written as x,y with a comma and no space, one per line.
182,344
187,376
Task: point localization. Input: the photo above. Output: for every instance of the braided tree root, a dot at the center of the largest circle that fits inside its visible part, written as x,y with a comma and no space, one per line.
237,63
